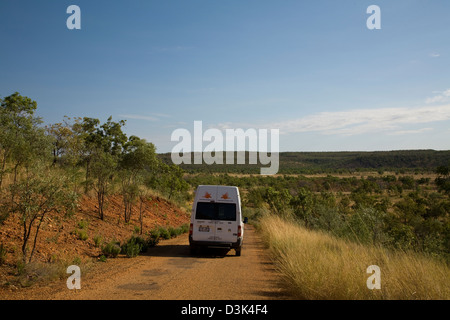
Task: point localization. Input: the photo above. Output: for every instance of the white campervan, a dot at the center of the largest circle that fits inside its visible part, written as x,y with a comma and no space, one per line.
216,219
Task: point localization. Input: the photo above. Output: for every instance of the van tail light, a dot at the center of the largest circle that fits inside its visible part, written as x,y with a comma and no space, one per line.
239,231
191,229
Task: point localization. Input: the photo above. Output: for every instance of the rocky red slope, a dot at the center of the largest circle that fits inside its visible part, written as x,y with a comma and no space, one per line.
58,239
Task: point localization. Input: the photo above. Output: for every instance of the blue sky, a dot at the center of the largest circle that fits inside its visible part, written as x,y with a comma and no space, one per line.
311,69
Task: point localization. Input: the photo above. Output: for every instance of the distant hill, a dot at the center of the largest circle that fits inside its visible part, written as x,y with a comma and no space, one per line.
314,162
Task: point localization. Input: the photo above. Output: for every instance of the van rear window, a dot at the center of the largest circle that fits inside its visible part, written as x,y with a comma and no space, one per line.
205,210
226,211
216,211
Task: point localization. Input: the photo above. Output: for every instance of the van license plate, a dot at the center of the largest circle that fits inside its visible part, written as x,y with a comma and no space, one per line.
203,229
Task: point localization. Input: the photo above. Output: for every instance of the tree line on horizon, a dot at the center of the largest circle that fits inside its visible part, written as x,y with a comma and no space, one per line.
402,161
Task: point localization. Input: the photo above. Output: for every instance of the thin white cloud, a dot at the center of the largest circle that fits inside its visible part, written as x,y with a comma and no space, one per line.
365,120
435,99
138,117
161,115
442,96
434,55
359,121
403,132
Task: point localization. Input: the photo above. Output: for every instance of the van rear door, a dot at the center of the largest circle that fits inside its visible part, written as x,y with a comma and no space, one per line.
226,226
227,214
204,224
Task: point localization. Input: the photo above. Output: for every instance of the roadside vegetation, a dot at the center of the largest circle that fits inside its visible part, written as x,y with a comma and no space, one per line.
318,265
324,231
47,169
138,244
403,212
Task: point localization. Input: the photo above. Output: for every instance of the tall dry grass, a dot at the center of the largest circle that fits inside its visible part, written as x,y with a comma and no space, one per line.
316,265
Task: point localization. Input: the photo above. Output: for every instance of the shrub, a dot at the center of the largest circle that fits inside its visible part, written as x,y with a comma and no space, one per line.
77,261
82,235
98,240
142,242
111,249
164,233
82,224
39,272
184,228
153,238
132,247
366,226
174,232
327,218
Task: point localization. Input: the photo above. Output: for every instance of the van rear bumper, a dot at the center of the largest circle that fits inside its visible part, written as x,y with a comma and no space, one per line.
219,244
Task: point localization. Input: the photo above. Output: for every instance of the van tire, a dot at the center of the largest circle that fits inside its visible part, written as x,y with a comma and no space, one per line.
238,251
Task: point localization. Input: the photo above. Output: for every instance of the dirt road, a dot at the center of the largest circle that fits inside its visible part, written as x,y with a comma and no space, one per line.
168,272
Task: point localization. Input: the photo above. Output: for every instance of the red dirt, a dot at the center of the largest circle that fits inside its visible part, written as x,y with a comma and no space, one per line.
58,241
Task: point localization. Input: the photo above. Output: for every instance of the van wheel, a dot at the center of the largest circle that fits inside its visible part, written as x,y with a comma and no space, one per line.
238,251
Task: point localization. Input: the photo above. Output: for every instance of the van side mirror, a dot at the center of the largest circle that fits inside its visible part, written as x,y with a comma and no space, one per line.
245,220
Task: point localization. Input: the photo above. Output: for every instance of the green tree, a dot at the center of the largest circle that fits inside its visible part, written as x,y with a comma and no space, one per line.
67,142
103,170
40,192
88,131
169,179
367,225
113,138
21,138
326,218
255,197
98,140
302,204
278,200
174,182
137,161
443,179
412,208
